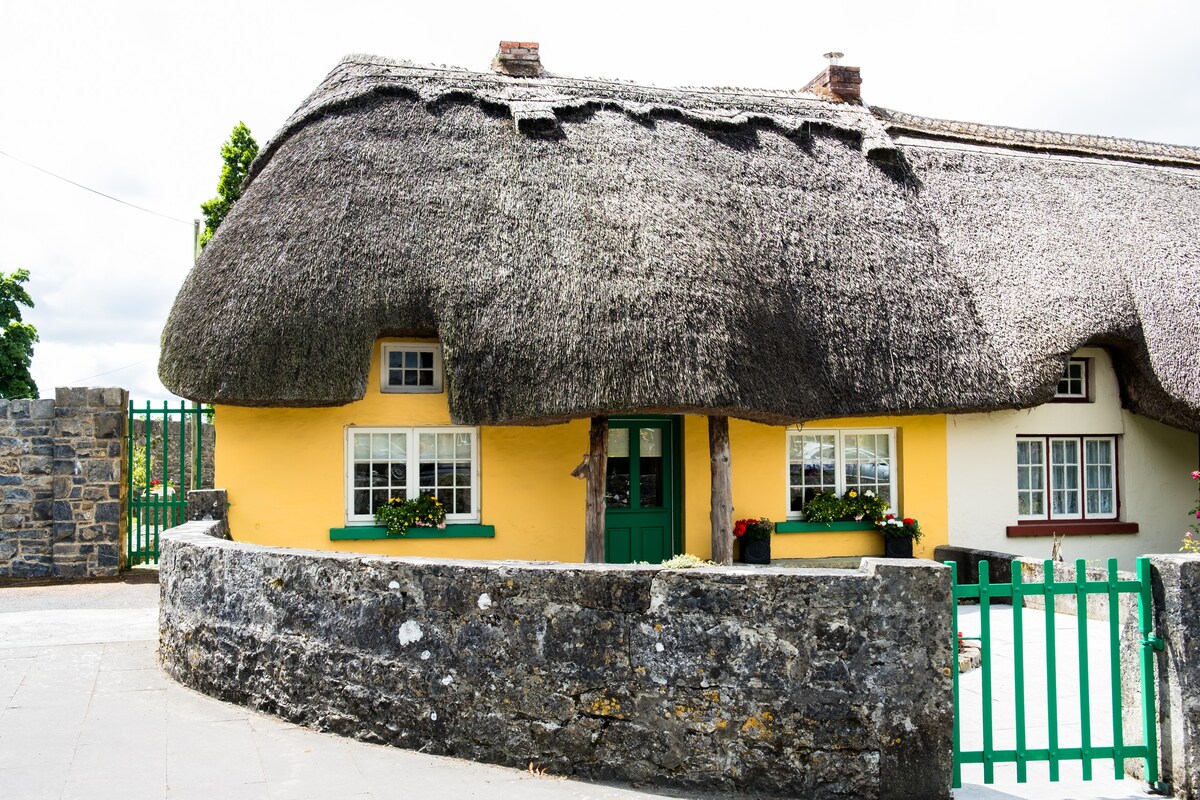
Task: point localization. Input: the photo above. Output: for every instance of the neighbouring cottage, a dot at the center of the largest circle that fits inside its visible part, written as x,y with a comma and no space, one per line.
435,278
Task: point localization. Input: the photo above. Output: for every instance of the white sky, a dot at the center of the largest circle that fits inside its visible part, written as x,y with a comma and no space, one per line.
135,98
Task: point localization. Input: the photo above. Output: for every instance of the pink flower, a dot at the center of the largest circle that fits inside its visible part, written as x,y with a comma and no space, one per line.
1196,475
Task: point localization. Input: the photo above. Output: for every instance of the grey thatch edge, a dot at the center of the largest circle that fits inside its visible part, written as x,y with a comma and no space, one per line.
899,122
533,102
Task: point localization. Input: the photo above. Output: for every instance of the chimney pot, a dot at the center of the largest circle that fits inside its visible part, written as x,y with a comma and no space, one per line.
518,59
837,83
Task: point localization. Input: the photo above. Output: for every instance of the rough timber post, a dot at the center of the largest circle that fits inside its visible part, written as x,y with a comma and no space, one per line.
597,470
721,515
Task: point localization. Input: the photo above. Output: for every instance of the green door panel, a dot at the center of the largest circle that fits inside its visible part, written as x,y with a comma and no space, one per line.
643,490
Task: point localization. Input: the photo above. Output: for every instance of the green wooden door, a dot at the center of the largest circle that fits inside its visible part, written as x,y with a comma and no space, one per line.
643,490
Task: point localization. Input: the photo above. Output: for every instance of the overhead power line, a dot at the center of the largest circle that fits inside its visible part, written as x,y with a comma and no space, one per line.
96,191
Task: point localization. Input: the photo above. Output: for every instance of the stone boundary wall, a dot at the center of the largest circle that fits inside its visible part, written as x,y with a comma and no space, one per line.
60,476
797,683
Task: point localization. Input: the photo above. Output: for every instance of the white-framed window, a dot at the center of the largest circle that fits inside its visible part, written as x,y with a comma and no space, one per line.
411,368
1067,477
382,463
1073,385
837,460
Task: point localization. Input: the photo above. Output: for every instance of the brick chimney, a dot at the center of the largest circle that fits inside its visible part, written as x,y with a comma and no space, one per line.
837,83
518,59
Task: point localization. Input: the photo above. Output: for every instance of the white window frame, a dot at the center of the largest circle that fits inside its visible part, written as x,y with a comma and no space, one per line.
1084,377
412,490
1082,489
410,347
840,461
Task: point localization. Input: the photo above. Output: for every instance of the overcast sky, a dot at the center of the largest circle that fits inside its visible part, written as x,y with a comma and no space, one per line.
134,99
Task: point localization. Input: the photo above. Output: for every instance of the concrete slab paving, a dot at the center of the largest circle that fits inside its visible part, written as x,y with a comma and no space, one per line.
1071,785
85,712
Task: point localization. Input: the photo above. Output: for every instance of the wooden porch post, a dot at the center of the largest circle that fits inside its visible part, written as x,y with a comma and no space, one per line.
721,515
597,470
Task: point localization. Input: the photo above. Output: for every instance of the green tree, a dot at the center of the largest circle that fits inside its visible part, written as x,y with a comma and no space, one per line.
237,153
16,337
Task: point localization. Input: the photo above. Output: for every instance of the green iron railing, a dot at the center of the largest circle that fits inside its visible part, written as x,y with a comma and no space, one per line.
1054,754
159,501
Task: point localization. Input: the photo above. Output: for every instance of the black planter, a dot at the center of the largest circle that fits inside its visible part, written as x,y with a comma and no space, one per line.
755,551
897,547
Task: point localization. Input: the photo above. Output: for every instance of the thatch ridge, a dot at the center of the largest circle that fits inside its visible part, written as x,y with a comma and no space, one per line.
585,247
899,122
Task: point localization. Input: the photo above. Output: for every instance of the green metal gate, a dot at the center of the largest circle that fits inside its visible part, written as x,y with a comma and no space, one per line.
1022,755
161,467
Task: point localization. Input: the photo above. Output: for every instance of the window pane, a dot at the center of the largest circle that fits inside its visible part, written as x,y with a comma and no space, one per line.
362,475
462,446
427,359
395,359
379,475
362,446
618,443
410,360
381,447
1064,477
1031,499
362,502
410,378
1100,477
445,446
462,501
617,480
650,442
425,446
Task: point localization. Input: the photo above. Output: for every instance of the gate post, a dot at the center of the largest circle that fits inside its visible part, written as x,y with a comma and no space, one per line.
1176,589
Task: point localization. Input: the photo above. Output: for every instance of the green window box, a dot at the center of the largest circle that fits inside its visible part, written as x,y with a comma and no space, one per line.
800,526
452,531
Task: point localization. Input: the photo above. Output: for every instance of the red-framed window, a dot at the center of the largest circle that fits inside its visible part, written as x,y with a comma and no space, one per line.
1067,478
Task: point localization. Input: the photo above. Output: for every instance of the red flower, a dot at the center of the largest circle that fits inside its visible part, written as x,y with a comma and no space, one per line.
890,516
739,528
909,520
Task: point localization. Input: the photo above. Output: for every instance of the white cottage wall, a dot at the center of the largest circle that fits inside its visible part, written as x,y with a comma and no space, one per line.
1153,472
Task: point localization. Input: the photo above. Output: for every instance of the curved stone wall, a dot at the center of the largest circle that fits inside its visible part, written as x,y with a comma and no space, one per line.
802,683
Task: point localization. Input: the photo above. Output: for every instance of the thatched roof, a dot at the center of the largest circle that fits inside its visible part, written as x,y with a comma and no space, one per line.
586,246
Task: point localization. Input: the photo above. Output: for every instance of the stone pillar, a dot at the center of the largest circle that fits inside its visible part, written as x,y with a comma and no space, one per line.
26,461
89,495
1176,580
205,505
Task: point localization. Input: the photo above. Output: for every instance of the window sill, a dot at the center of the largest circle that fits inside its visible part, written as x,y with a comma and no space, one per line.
451,531
1070,528
800,526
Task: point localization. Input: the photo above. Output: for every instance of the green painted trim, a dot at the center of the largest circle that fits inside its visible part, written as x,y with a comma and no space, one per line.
452,531
800,526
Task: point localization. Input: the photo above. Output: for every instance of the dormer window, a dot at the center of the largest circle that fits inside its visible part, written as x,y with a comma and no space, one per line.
415,368
1073,385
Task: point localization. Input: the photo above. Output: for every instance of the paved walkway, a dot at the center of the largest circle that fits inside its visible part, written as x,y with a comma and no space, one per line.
1038,787
86,713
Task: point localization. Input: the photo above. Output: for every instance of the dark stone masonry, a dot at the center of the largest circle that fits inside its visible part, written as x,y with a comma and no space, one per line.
798,683
60,484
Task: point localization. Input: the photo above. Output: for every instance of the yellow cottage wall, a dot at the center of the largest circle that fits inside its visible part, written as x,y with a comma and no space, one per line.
284,470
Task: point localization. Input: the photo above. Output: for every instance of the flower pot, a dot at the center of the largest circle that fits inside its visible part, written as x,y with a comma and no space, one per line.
754,551
897,547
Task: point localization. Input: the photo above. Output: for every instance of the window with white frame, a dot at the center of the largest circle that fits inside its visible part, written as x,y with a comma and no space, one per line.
833,460
1067,477
382,463
1073,385
412,368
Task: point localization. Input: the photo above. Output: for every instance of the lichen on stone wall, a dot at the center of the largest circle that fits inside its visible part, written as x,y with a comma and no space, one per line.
799,683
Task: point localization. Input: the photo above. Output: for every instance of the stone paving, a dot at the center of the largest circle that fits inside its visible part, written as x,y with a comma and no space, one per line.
85,712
